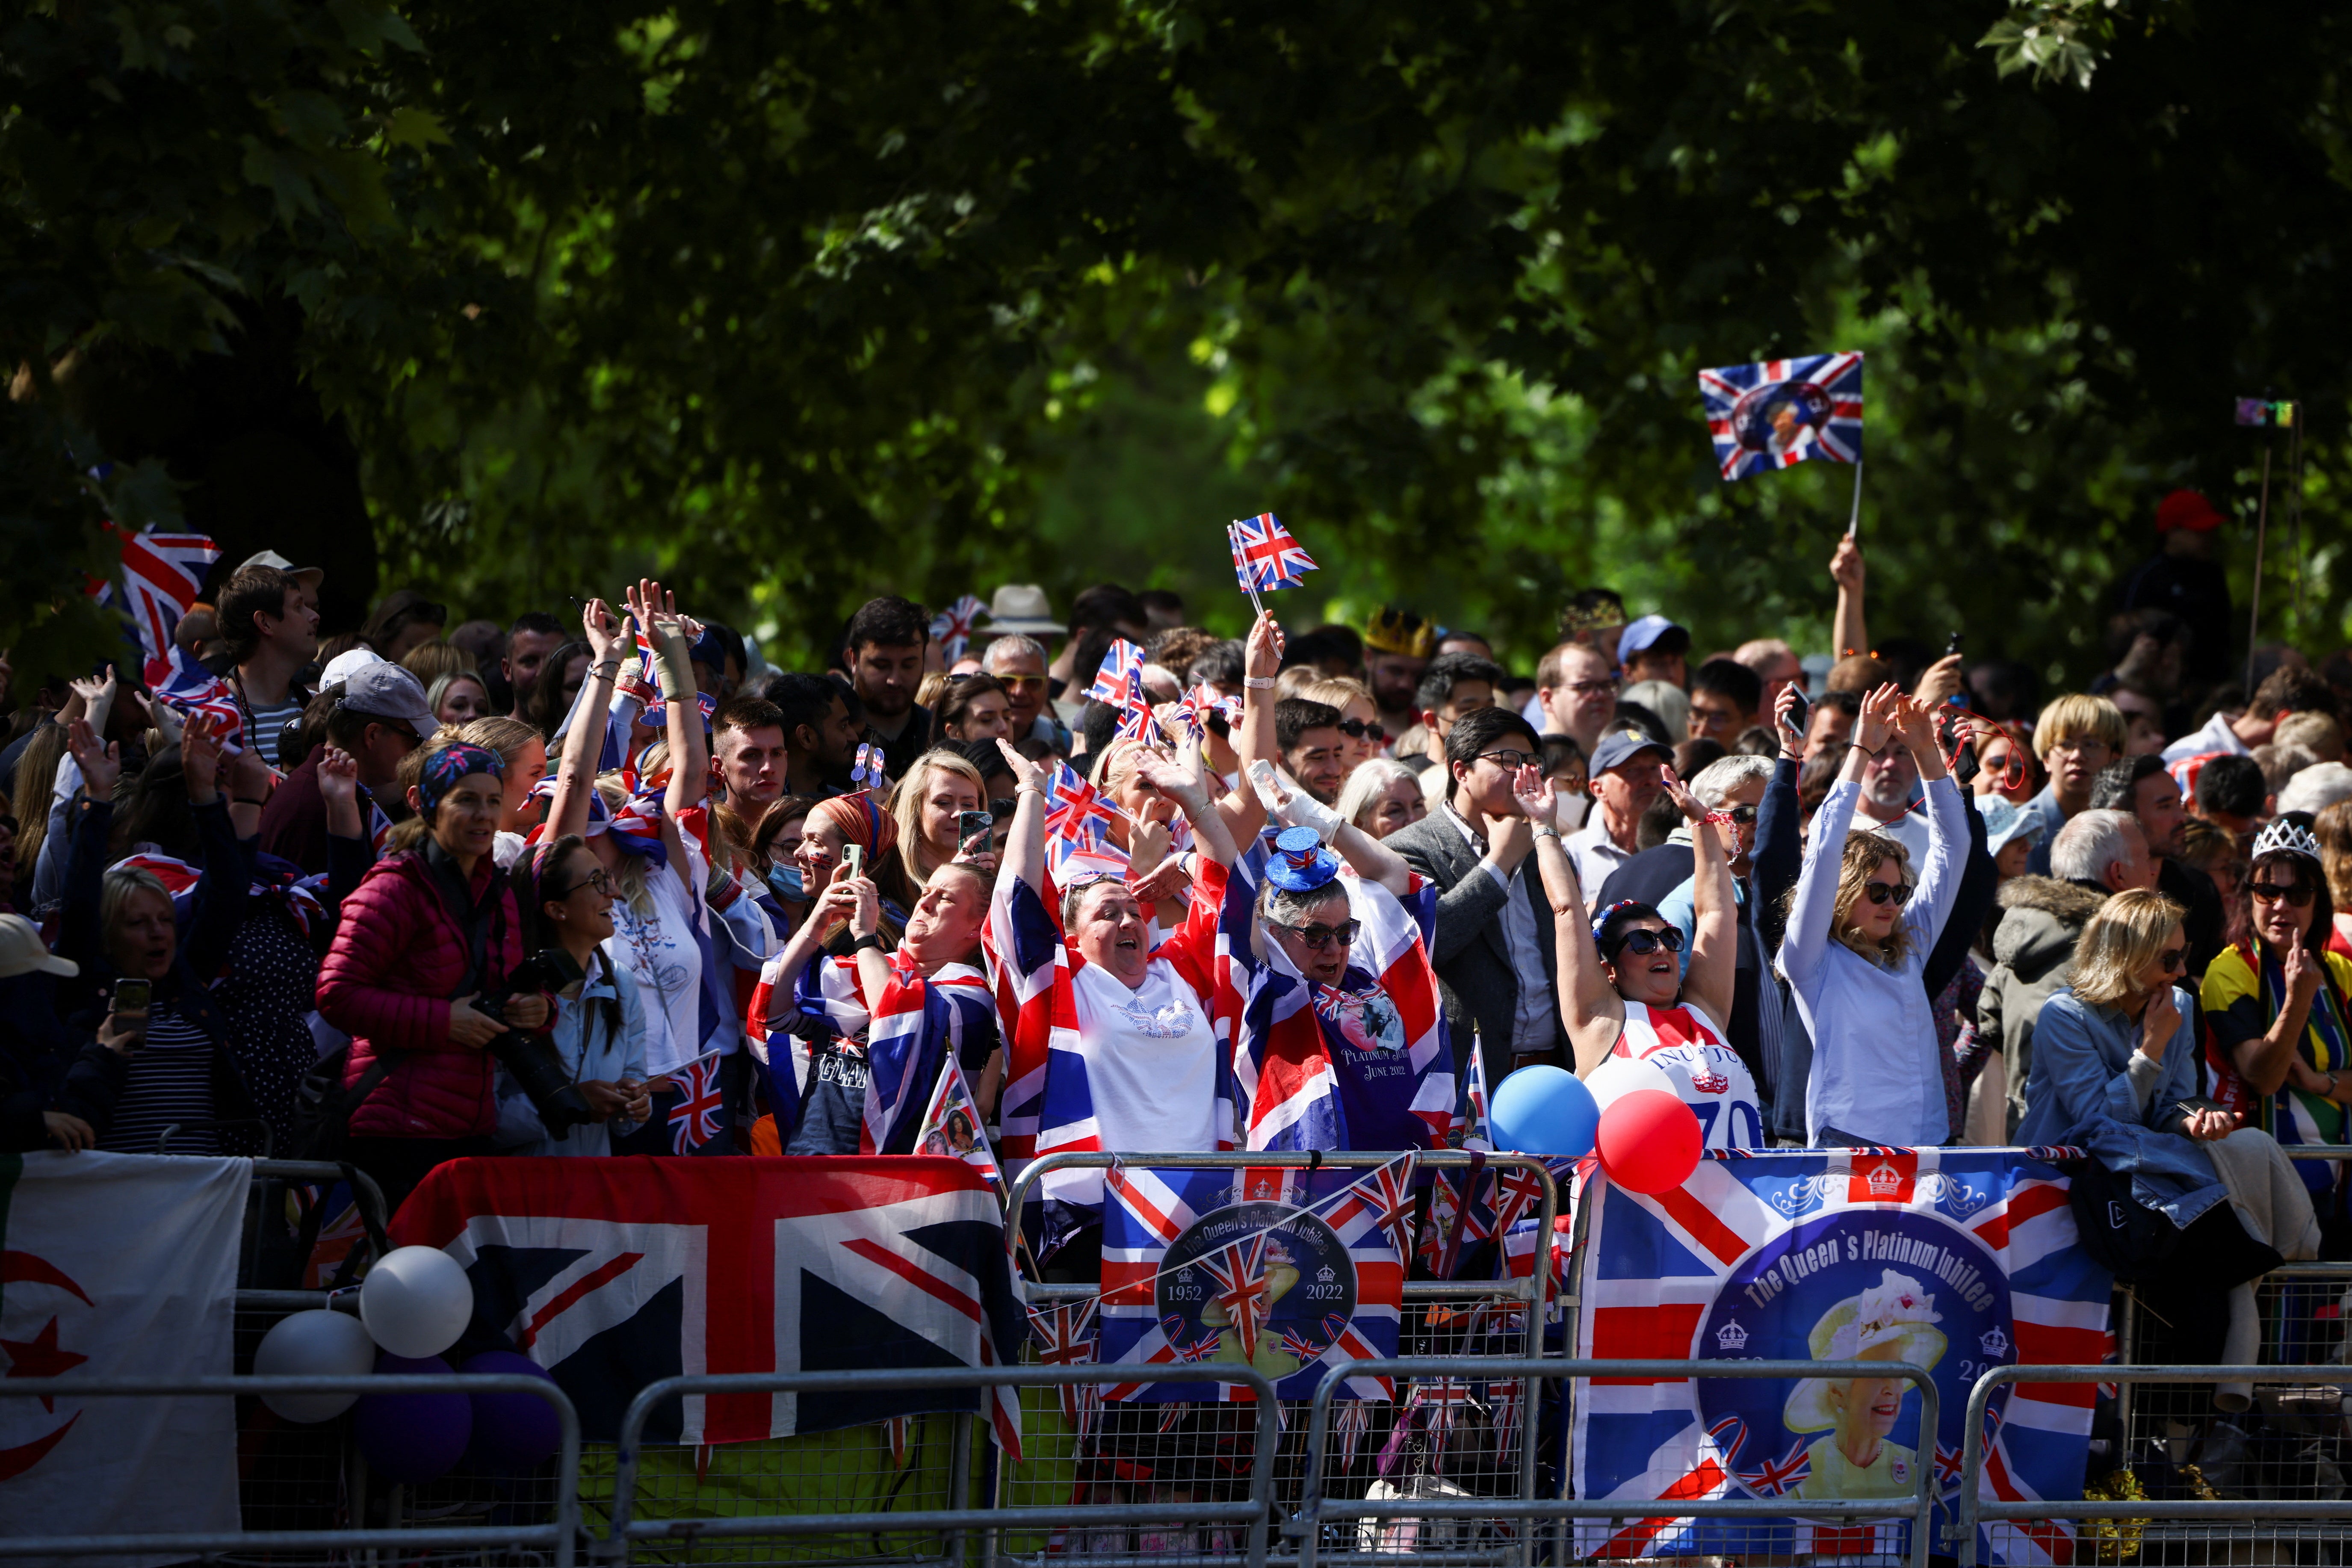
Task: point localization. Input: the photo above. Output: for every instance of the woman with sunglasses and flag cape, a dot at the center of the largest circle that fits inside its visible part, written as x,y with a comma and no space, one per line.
1623,992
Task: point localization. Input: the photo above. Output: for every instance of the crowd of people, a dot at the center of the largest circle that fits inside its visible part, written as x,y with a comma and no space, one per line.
609,883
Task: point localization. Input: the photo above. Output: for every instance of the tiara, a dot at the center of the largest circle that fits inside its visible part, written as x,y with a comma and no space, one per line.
2285,838
1392,630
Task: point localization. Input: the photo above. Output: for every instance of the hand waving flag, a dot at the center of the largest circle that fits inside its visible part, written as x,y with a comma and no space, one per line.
1783,411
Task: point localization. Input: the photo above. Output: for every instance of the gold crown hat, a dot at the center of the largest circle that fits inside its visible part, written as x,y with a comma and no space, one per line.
1393,630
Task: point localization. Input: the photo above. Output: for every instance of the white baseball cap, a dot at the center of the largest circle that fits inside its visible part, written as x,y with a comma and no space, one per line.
22,951
314,575
344,665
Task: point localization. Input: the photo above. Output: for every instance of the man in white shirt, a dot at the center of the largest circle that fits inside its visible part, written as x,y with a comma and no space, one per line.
1628,772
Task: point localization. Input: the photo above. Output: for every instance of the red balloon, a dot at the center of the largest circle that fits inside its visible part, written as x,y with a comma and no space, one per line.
1648,1141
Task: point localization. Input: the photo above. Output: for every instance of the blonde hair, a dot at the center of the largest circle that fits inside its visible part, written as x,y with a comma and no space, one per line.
2120,941
1865,854
437,660
930,690
510,738
629,877
2074,714
1336,691
36,780
2318,733
906,809
2333,828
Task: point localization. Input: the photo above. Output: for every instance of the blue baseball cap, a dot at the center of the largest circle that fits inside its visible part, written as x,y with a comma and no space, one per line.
1621,747
1652,631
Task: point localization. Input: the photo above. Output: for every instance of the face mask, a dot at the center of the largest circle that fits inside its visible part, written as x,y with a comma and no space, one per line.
1572,808
784,882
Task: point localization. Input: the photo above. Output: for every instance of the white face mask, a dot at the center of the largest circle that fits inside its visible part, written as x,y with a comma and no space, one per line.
1572,808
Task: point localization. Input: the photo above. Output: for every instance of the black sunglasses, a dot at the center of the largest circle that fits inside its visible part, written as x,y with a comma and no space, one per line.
1362,730
1319,937
1509,761
1880,892
1642,940
2173,959
600,878
2297,896
1741,815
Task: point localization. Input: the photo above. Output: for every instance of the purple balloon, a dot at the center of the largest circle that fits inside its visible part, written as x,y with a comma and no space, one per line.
512,1432
411,1437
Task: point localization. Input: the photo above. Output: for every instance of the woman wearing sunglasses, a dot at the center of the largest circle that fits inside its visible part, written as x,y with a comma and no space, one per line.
2115,1071
1856,945
2277,1005
1622,991
599,1029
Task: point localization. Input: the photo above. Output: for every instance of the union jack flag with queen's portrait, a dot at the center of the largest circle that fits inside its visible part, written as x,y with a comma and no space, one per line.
1778,412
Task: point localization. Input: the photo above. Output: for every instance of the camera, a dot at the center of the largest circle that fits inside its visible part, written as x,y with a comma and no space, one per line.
530,1055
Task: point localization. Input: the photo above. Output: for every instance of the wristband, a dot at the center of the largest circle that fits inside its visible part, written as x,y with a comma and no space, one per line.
1545,830
1259,682
871,939
607,667
240,800
1035,789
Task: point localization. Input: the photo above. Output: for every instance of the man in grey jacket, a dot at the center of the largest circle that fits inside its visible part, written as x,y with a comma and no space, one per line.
2097,853
1493,952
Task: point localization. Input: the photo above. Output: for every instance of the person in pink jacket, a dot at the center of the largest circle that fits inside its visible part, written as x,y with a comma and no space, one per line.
425,935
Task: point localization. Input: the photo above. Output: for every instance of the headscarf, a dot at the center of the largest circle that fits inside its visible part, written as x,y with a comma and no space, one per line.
445,767
861,821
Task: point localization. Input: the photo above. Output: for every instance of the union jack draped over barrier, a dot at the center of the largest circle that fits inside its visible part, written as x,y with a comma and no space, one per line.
1951,1259
1780,412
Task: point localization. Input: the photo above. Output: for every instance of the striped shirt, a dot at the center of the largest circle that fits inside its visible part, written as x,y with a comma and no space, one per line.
264,726
170,1082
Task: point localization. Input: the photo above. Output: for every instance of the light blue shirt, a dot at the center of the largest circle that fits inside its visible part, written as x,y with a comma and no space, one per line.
1878,1070
590,1050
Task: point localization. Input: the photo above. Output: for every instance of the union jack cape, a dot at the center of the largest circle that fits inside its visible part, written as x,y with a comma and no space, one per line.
1292,1092
1782,412
1761,1255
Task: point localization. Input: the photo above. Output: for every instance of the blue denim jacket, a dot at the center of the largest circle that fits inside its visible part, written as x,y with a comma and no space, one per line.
2081,1092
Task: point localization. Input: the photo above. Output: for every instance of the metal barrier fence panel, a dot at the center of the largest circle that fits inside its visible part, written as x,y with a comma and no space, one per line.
550,1523
802,1528
1466,1434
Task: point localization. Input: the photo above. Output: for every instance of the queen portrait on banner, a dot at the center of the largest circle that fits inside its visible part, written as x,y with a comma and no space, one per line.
1891,1321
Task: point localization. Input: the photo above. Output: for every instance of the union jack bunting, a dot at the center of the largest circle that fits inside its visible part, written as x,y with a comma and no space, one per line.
1267,557
162,575
953,625
1065,1336
1957,1259
1351,1424
1780,412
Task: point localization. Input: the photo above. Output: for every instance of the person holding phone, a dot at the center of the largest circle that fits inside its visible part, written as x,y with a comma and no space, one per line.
927,804
142,960
599,1028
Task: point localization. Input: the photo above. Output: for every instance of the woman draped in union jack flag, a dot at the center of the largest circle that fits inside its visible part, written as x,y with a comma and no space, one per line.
1622,991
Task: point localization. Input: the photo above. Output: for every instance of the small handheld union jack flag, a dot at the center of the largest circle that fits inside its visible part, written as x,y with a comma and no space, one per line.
1782,412
694,1120
868,772
953,625
1265,556
1122,668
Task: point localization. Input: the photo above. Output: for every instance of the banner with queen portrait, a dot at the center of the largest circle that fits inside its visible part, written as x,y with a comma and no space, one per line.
1954,1260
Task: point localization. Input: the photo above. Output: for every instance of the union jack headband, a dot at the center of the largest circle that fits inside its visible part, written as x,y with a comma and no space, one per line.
1601,921
445,767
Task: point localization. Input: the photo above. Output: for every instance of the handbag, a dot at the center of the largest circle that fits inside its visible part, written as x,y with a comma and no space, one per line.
2122,1236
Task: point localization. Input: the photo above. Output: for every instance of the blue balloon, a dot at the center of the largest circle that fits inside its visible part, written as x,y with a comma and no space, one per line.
1544,1111
411,1437
514,1433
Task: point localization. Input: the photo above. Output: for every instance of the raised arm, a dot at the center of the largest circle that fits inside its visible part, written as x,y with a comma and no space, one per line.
1024,845
1190,790
575,773
1253,740
1806,941
1715,942
1947,826
673,637
1847,633
1589,1005
1279,793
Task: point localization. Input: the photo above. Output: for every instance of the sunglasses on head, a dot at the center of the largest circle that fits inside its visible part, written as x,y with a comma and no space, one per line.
1882,893
1362,730
1642,941
2297,896
1319,937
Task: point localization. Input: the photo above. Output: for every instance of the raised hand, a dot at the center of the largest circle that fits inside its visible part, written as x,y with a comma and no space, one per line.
200,760
1537,799
100,765
1178,784
602,630
1917,722
1262,654
97,697
1679,793
1025,772
1791,738
1941,682
1846,566
1878,716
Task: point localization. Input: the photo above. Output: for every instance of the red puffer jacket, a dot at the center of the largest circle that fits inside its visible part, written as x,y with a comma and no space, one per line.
397,959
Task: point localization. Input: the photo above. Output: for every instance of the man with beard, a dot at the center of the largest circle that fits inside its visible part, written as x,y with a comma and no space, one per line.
884,650
530,642
1313,751
1397,646
2143,786
821,722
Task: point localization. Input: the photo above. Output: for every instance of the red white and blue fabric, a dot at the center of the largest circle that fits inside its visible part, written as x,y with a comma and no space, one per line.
1748,1257
1192,709
694,1120
920,1025
275,879
1146,1209
1363,1065
162,573
1046,1107
1267,557
1685,1045
936,1134
1121,669
1782,412
614,1273
188,687
1065,1336
952,627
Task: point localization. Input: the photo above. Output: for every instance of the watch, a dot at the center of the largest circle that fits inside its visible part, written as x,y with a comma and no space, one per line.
871,939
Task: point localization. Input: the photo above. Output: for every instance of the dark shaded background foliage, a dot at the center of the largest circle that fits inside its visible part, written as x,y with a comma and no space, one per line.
791,301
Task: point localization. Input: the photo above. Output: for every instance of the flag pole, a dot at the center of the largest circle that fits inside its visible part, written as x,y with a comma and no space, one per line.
1854,522
1248,572
2262,526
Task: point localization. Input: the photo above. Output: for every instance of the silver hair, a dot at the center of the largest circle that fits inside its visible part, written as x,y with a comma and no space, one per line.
1012,643
1281,907
1367,783
2090,842
1714,783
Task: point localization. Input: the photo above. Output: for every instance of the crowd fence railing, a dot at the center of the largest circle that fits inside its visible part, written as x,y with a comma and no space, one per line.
557,1536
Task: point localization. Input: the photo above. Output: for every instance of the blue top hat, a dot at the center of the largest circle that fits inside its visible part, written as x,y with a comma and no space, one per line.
1299,863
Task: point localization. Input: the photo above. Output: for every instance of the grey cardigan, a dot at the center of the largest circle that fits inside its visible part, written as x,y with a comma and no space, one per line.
1473,960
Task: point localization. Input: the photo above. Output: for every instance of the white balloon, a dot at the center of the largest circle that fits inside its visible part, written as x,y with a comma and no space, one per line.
416,1301
320,1343
1620,1076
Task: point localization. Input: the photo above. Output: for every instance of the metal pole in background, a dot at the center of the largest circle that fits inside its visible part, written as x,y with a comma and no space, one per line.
2262,526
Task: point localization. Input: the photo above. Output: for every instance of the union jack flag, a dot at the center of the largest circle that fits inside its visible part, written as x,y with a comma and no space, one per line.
1075,810
1238,1274
1778,1478
1199,1350
1192,709
1386,1193
1350,1426
694,1120
1267,557
1780,412
1302,1348
162,575
953,625
1065,1337
192,690
1121,673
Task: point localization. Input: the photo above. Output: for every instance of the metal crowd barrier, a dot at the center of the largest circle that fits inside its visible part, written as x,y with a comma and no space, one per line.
558,1535
959,1519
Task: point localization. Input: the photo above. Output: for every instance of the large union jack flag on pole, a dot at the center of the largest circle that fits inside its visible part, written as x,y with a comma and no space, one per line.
1780,412
162,575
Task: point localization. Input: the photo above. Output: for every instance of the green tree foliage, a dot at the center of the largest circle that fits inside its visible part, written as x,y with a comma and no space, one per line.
791,302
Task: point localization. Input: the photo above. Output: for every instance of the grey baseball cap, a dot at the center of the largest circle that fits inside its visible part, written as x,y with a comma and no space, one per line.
384,690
